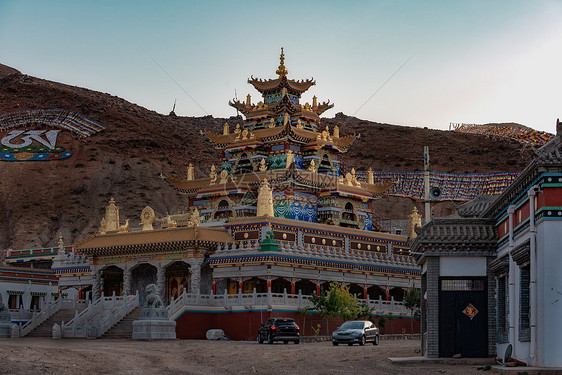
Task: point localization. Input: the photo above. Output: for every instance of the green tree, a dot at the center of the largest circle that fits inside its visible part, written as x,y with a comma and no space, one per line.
412,301
337,301
382,323
390,318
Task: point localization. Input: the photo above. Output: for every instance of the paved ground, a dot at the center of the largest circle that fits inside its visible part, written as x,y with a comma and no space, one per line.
69,356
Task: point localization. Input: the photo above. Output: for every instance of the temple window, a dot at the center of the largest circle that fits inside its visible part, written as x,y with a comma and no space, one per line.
524,306
325,165
223,210
503,323
244,164
348,216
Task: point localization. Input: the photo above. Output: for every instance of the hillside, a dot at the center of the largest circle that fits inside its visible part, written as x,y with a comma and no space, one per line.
40,199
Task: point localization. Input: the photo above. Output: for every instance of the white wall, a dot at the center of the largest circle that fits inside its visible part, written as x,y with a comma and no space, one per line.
462,266
549,293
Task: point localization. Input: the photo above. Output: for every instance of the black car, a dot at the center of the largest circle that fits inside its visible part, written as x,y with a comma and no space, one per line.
279,329
356,331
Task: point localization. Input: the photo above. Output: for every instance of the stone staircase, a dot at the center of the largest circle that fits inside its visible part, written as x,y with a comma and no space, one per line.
123,329
45,329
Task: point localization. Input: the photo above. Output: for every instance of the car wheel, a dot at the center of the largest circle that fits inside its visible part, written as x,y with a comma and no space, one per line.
260,340
363,340
269,339
350,344
297,341
376,341
285,342
335,343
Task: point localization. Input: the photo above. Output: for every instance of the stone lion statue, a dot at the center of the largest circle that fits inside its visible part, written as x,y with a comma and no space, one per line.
152,299
3,307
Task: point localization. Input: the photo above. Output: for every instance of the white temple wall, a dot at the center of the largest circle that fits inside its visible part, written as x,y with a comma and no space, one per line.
549,293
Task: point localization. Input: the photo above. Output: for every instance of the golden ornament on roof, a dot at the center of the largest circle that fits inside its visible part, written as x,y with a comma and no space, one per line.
223,176
190,172
282,71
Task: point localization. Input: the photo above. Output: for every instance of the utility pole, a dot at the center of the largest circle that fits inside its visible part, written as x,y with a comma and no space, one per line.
426,183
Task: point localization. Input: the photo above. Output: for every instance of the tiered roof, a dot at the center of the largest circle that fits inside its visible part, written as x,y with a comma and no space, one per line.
328,185
259,137
284,87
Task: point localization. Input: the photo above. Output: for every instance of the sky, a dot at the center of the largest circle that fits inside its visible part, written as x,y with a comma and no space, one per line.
414,63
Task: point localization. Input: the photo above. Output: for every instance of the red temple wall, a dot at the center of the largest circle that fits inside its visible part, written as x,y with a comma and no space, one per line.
245,325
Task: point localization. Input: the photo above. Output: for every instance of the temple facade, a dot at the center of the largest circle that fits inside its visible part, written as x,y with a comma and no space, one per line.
277,213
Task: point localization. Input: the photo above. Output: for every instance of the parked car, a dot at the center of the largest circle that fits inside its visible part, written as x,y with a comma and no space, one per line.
356,331
279,329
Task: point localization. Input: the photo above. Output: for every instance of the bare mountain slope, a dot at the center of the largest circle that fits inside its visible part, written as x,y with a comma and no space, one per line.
40,199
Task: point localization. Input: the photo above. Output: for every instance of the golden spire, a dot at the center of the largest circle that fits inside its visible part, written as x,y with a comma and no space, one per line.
282,71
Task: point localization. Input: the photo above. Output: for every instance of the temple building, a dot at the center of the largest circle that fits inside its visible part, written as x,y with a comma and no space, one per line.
277,213
491,277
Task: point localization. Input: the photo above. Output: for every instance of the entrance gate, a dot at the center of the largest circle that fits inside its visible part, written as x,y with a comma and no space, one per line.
463,317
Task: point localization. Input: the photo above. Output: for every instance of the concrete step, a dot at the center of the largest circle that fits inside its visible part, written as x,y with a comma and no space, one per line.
124,329
45,329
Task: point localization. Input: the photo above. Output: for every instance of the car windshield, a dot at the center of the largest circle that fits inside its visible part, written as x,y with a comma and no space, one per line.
285,322
352,325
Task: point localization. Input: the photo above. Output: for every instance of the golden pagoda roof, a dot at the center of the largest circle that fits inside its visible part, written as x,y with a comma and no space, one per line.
254,111
279,177
274,85
271,85
258,137
233,222
101,243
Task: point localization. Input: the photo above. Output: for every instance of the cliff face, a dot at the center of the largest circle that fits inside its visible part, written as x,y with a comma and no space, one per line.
39,200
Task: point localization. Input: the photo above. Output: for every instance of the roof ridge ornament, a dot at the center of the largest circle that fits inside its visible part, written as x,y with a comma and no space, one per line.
282,71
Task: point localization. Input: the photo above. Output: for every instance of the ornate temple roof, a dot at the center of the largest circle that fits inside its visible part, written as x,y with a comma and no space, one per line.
234,222
142,241
259,110
548,158
467,236
475,207
276,94
277,178
274,85
245,138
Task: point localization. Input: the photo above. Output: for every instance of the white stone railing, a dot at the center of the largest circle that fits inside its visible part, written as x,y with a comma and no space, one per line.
128,305
46,312
49,309
99,316
249,301
321,252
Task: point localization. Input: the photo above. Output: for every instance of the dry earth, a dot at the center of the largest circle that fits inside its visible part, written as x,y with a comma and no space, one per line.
65,357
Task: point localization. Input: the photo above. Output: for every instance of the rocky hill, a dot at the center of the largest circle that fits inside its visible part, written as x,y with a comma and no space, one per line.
40,199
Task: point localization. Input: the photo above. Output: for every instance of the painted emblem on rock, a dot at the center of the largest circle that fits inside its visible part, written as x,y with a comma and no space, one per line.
20,143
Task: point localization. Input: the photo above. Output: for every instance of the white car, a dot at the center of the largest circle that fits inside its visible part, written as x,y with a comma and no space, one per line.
356,331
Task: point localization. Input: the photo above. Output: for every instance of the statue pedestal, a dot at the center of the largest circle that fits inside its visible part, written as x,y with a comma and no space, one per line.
5,324
154,325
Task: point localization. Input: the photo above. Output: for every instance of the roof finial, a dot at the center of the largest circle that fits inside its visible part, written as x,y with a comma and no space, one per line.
282,71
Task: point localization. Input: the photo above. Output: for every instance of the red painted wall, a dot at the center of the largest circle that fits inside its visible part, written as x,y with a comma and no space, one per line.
244,325
553,197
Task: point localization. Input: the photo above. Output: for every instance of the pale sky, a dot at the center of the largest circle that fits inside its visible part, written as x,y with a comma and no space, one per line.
466,61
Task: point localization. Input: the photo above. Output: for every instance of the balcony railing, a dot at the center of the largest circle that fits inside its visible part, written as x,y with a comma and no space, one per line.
250,301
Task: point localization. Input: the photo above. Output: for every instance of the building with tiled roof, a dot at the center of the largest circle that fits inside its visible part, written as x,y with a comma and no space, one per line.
491,280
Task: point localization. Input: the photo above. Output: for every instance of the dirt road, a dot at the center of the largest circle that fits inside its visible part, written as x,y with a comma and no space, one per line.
46,356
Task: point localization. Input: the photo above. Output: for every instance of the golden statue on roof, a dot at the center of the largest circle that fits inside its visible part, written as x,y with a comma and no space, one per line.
147,218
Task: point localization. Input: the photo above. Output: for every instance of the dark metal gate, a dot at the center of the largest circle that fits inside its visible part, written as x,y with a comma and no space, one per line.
463,318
